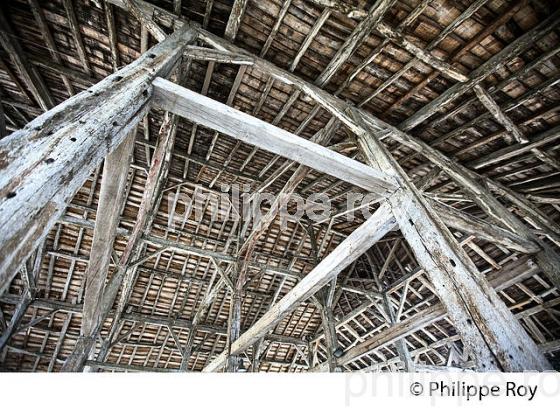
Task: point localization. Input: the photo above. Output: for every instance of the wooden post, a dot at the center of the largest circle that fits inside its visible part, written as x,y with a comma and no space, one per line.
324,302
400,344
111,197
489,331
126,271
48,161
512,273
350,249
234,327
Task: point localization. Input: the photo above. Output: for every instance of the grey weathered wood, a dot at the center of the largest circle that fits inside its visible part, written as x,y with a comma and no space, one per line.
481,194
482,229
111,197
514,272
486,326
362,30
398,38
220,117
234,21
234,326
75,29
134,8
177,7
210,295
489,66
113,39
324,302
207,54
55,153
29,74
49,40
461,175
126,269
322,138
156,320
512,151
276,27
350,249
341,6
194,250
378,50
494,109
29,273
400,344
310,37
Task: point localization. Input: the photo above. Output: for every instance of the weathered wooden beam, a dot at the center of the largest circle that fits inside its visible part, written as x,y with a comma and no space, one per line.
69,73
336,107
53,155
321,138
234,21
126,269
342,7
489,66
217,56
49,40
398,38
350,249
480,193
486,326
177,7
324,301
378,50
215,115
512,151
234,323
207,13
29,273
29,74
113,39
133,7
156,320
76,33
276,27
210,295
310,37
479,228
194,250
111,198
513,272
329,330
362,30
494,109
400,344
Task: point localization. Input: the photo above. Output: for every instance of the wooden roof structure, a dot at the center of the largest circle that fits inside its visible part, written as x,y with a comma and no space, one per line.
446,112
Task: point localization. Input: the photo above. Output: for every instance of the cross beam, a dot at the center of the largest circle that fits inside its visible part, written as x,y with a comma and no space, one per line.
244,127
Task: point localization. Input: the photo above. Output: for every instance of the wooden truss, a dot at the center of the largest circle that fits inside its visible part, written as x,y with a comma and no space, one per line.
55,153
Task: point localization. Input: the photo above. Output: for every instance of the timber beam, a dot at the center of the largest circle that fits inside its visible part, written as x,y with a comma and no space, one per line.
513,272
55,153
246,128
487,328
379,224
